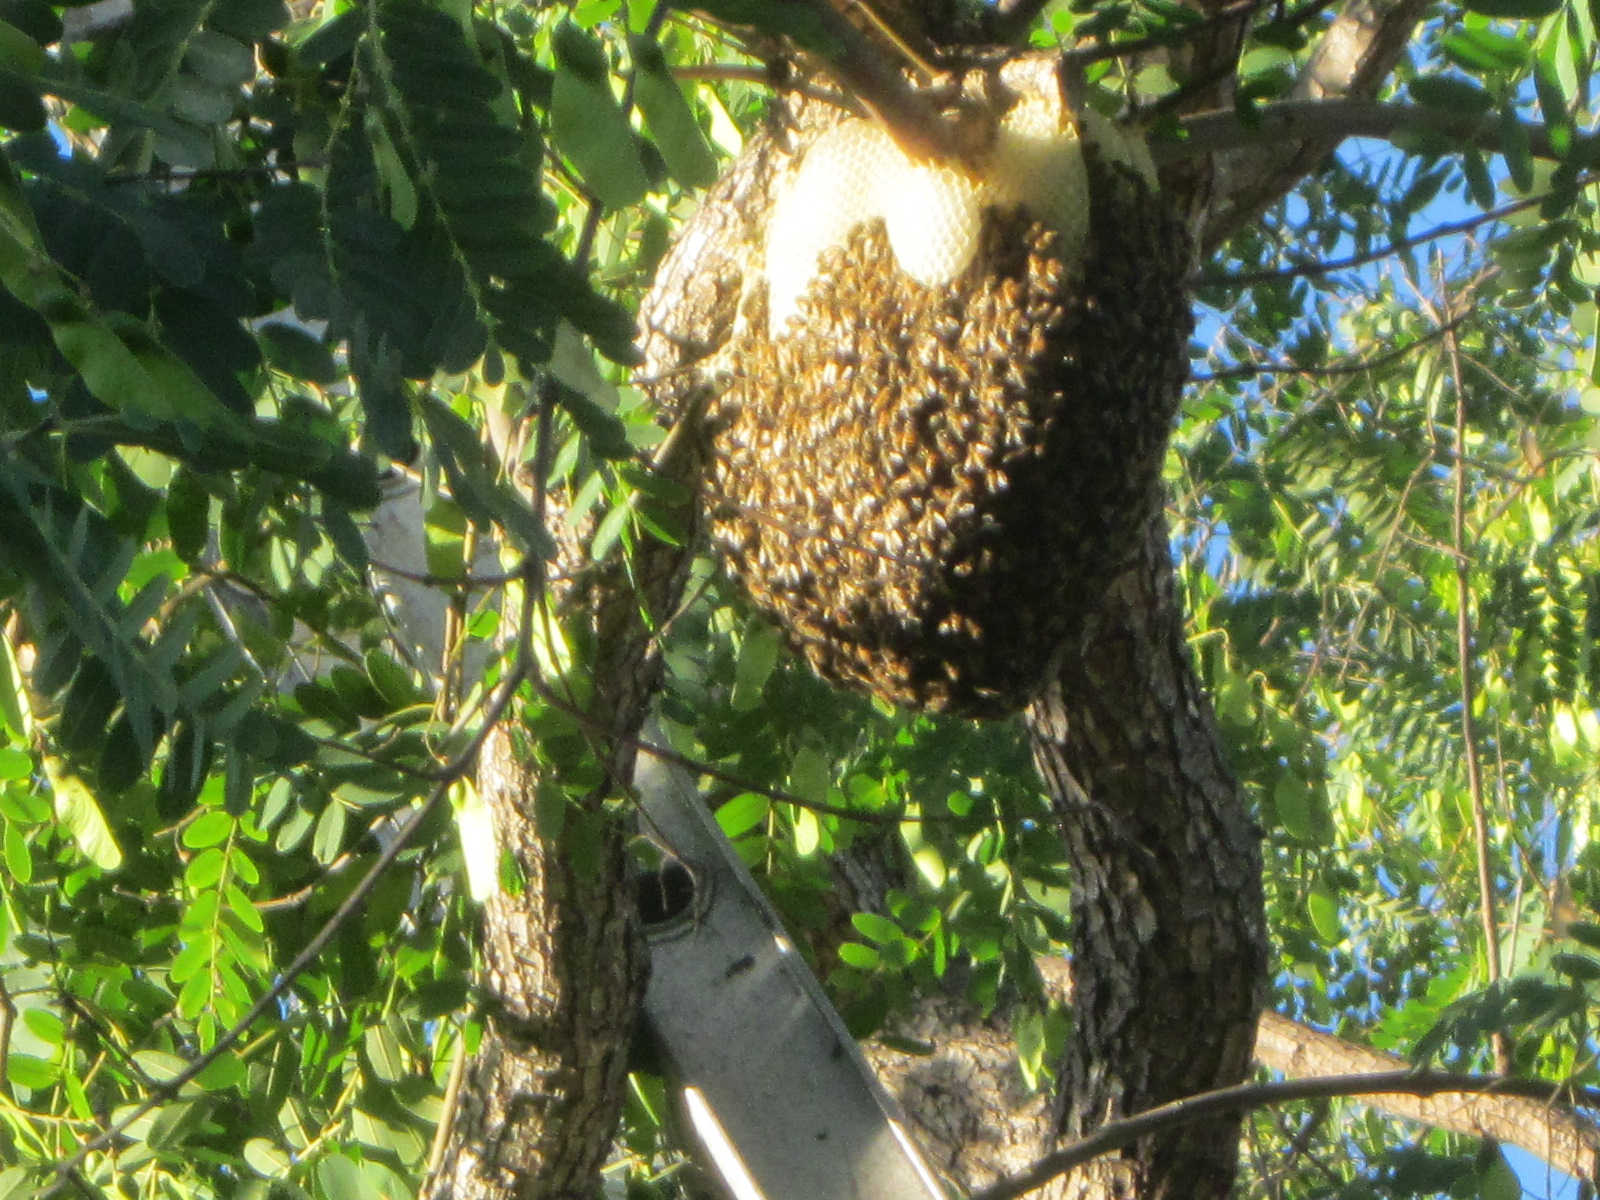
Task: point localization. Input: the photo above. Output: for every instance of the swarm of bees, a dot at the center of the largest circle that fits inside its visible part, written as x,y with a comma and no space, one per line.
928,474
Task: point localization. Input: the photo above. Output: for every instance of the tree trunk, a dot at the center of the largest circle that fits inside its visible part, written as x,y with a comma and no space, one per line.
1169,935
563,971
1169,946
564,962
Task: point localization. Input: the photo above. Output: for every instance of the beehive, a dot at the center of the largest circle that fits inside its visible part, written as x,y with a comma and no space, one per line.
949,394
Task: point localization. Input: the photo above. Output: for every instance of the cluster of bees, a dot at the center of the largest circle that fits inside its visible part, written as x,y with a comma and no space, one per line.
929,485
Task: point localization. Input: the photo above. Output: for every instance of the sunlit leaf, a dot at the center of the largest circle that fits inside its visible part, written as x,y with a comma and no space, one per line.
81,817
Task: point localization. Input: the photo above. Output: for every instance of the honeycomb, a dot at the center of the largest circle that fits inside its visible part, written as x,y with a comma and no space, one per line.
854,173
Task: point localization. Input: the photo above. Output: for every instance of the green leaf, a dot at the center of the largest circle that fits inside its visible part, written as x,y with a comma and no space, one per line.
743,813
15,764
1579,966
36,18
383,1054
807,833
297,353
18,1183
328,840
606,434
1323,909
392,681
1451,93
123,761
345,535
579,53
1485,51
1585,933
342,1178
21,104
248,20
15,710
30,1071
205,869
670,119
211,828
18,857
19,53
879,929
87,710
1479,184
188,515
862,957
1291,800
610,530
758,655
1521,10
588,126
219,59
240,906
1030,1045
274,739
1554,105
267,1159
80,815
811,775
1497,1181
1514,144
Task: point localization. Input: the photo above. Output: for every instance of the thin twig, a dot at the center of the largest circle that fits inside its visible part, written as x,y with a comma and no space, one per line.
1327,267
701,767
8,1016
447,1109
1360,366
1469,733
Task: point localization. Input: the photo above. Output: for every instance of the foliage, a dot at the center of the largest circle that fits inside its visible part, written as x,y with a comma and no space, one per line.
255,266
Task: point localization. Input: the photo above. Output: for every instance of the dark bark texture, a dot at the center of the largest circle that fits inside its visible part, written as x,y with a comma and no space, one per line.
564,961
563,976
1169,940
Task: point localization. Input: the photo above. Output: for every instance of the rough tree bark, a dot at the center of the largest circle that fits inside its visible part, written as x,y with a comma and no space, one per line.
564,964
563,971
979,1123
1560,1139
1169,938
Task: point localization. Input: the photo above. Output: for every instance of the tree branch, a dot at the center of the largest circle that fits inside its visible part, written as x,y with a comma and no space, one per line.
1329,122
1116,1134
1291,1048
1303,270
1565,1142
908,115
1331,370
1487,916
1351,61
